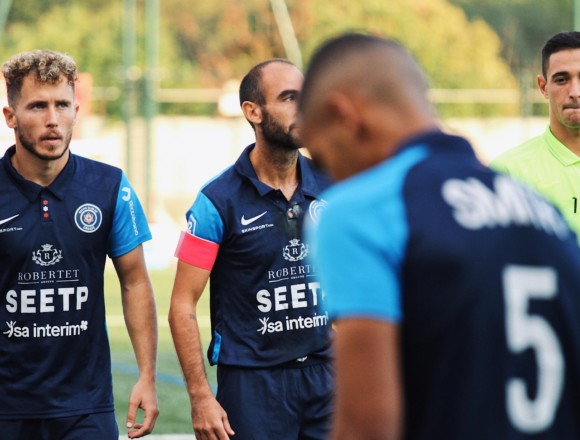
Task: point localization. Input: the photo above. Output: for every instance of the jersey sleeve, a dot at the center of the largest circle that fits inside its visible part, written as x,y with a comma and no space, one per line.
358,263
130,227
199,245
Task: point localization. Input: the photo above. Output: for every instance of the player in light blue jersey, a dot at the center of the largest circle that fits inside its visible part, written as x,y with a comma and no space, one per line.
61,215
454,289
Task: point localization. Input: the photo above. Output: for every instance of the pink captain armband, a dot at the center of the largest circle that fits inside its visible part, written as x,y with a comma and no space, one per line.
196,251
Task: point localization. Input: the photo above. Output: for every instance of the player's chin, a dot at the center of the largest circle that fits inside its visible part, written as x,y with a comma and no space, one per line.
53,152
296,140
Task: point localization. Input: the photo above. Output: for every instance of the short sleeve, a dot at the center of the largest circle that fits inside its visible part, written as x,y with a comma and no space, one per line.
130,227
199,245
359,259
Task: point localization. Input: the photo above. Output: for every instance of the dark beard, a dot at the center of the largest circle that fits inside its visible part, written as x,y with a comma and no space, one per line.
29,146
275,135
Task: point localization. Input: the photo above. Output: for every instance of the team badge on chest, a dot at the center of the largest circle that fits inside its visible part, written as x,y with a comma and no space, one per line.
295,251
47,256
88,217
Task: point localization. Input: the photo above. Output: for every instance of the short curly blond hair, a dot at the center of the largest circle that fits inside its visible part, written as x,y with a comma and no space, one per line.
48,67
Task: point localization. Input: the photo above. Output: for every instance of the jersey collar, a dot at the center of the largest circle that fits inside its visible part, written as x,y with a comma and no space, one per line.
30,189
559,150
308,182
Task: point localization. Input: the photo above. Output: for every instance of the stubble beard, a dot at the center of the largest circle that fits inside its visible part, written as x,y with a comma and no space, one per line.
30,146
276,135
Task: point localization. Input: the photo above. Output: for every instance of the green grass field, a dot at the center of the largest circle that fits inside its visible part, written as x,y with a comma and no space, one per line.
174,407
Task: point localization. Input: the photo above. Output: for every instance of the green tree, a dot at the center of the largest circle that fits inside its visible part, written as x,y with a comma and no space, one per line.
436,32
222,39
204,44
95,47
522,25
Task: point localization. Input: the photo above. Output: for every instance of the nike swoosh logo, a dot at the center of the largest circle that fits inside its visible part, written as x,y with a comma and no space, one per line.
8,219
246,222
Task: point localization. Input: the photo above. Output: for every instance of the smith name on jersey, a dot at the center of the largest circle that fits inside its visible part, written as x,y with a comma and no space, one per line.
480,273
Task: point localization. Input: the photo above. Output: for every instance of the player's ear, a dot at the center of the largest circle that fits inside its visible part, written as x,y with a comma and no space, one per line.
9,117
252,112
76,107
542,85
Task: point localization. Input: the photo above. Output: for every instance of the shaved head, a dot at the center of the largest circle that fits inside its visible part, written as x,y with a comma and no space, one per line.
377,67
362,96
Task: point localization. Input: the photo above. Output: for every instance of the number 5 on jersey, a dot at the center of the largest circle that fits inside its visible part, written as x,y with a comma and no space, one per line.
525,331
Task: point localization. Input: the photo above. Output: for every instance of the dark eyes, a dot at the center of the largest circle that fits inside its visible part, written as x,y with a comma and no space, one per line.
42,105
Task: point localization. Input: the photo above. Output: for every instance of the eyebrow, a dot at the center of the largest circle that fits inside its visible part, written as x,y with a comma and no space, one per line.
560,73
36,102
285,93
46,101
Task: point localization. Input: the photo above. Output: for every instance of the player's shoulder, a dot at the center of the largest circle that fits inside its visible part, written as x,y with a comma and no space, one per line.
222,183
363,193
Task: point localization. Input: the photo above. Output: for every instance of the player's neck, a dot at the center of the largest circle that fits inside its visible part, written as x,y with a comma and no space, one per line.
34,169
276,168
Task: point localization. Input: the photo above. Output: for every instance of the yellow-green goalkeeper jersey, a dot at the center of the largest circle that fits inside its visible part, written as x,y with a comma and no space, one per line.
546,164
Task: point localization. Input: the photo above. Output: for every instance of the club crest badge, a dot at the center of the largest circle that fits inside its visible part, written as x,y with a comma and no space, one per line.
295,251
88,217
47,256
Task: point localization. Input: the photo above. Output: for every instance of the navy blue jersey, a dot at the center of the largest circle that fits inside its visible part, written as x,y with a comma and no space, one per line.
482,275
267,306
54,241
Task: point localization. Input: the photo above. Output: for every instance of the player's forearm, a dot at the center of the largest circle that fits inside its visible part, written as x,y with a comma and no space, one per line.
141,320
187,341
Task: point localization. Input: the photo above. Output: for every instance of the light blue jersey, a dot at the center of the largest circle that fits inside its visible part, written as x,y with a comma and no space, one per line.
480,273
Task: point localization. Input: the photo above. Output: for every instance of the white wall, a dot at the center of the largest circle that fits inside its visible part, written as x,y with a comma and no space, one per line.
188,151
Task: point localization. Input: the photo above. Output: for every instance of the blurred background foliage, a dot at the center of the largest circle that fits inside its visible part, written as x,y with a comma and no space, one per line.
485,48
462,44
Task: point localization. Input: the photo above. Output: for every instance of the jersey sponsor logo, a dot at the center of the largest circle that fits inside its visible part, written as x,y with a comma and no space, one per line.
290,324
47,256
48,276
30,301
11,228
295,296
315,209
307,296
295,251
506,204
45,330
127,199
126,194
291,273
6,220
88,218
247,221
257,228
